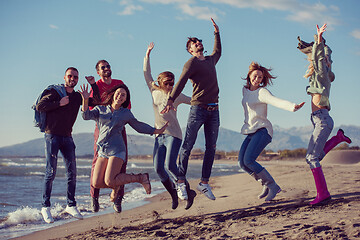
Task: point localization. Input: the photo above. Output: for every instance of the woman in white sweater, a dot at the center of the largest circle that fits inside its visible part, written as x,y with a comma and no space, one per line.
257,127
167,145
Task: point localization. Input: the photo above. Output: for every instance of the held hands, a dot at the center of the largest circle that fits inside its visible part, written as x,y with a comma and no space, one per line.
161,130
168,107
215,26
298,106
150,47
90,79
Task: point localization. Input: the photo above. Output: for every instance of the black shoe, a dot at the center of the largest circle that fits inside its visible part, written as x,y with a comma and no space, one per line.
95,204
117,205
170,187
191,197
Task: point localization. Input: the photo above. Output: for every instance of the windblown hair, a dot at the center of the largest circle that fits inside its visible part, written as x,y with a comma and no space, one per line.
267,77
160,79
310,70
109,96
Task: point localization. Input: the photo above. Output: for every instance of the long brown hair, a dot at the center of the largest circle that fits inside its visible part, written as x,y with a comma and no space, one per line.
267,77
109,96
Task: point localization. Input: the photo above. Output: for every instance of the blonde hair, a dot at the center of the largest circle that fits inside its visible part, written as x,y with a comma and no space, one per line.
310,70
160,79
267,77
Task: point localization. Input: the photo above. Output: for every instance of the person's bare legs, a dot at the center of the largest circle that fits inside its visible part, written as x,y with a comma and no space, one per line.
114,178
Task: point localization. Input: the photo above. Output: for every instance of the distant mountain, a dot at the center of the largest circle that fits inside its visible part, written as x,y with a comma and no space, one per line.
228,140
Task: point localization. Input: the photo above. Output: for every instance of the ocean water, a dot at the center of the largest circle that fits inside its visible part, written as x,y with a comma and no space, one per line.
21,182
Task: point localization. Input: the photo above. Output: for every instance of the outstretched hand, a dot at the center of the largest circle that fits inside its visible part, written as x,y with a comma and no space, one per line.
168,107
320,31
215,26
150,47
84,91
161,130
298,106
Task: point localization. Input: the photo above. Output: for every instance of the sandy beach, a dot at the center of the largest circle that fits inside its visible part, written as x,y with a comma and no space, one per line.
237,213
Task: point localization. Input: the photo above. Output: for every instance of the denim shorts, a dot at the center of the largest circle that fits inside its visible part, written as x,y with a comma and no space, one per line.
121,155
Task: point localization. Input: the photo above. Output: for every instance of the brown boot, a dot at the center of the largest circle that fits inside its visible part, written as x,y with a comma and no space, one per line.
125,178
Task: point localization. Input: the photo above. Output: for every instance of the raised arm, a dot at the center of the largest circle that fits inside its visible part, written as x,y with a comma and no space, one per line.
320,32
85,97
217,43
146,68
216,27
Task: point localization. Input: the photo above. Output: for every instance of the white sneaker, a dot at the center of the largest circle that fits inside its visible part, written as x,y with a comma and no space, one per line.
181,191
73,211
45,212
206,189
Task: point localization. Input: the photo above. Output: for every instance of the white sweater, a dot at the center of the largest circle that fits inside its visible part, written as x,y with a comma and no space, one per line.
255,109
160,99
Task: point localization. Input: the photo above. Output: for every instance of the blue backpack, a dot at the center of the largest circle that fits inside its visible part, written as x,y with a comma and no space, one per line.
40,117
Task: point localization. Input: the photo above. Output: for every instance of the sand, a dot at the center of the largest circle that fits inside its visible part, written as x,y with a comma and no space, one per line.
237,213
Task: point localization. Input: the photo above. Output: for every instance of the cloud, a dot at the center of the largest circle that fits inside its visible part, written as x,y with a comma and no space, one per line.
355,33
130,8
203,13
296,10
53,26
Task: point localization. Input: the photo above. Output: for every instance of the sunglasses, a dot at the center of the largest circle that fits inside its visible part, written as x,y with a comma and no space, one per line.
168,83
106,66
194,40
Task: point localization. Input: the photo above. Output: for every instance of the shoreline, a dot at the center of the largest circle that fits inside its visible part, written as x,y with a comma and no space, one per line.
237,213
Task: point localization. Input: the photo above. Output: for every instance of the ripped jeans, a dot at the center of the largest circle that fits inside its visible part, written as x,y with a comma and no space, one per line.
199,116
323,125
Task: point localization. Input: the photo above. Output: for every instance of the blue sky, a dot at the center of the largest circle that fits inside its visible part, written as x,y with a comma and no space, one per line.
40,39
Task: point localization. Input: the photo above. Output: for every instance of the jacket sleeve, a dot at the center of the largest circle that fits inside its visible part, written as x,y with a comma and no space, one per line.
49,101
318,59
140,127
90,114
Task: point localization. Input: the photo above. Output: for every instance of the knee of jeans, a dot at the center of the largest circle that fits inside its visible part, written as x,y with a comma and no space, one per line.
71,175
241,164
313,163
50,173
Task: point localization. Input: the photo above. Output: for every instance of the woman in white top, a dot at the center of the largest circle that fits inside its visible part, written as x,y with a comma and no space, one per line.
257,127
167,145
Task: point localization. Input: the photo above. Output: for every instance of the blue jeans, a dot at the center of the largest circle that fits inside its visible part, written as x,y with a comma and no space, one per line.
251,148
323,125
165,154
199,116
54,143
